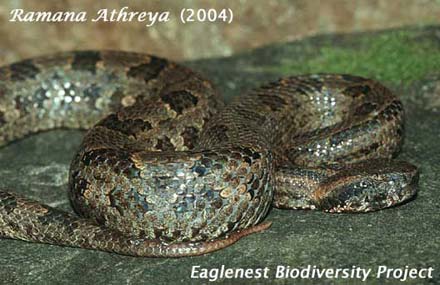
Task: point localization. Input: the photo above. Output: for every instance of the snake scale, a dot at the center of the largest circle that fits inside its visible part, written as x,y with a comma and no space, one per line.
166,170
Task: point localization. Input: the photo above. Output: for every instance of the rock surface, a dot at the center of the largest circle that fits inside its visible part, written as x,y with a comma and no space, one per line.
408,61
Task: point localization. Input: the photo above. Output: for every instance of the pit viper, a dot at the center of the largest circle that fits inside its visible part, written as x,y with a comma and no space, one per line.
166,169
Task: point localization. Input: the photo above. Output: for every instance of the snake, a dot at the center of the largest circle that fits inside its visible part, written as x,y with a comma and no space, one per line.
166,169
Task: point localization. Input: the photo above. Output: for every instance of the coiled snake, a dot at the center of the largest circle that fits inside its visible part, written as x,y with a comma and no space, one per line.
168,171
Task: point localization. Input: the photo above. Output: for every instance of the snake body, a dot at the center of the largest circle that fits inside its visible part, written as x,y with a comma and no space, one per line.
166,170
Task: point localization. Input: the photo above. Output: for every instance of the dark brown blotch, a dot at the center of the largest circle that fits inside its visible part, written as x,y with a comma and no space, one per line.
118,199
81,186
365,109
369,149
86,60
256,184
357,90
128,127
115,204
148,71
23,70
300,90
275,103
164,144
206,162
158,232
247,151
307,87
398,105
315,83
132,172
247,159
256,155
7,202
179,100
190,135
251,193
2,118
390,112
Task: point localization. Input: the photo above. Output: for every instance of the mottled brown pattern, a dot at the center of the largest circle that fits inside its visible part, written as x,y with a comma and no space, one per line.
163,172
86,60
148,71
179,100
23,70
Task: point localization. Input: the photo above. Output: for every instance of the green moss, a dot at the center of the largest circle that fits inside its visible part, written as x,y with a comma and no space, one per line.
398,57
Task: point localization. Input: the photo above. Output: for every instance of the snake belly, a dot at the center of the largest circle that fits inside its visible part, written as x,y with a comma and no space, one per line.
166,170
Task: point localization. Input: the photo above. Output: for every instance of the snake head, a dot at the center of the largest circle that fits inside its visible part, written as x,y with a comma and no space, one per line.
368,186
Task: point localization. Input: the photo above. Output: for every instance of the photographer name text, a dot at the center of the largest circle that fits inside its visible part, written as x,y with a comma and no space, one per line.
148,18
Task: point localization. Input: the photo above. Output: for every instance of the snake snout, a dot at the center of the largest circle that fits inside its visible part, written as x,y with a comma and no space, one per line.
384,183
